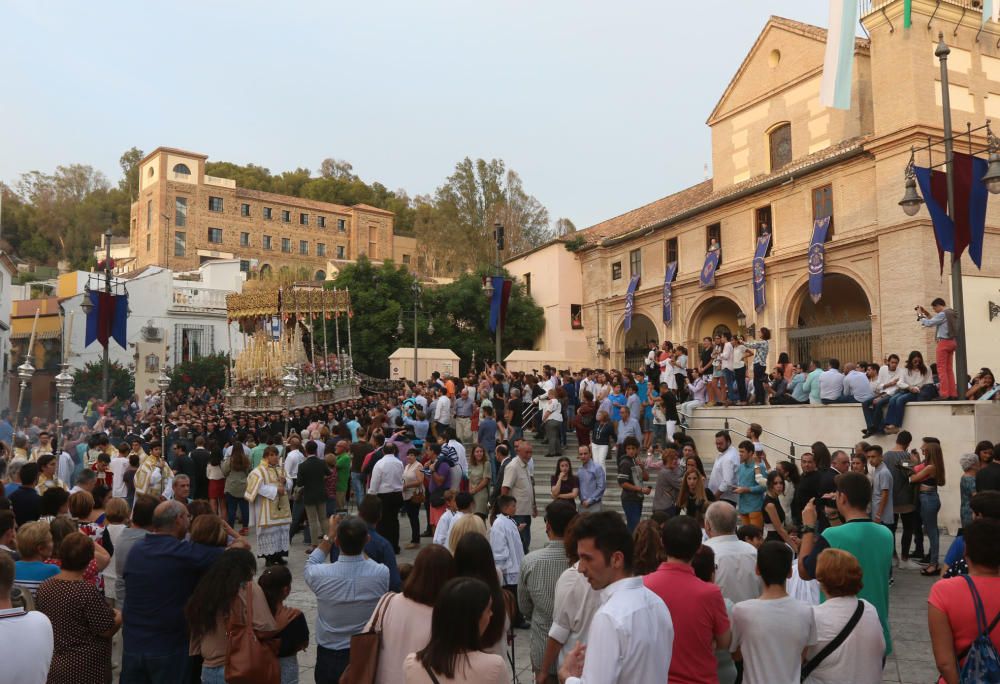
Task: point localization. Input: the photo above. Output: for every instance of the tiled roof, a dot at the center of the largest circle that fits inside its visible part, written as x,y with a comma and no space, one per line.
702,194
649,213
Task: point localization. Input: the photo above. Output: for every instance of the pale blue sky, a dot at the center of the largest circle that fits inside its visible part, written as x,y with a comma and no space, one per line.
599,106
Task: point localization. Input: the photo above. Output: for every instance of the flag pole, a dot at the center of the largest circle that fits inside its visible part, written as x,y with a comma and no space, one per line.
957,294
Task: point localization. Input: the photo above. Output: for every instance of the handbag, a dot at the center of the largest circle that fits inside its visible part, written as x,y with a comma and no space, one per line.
814,662
363,663
249,659
418,497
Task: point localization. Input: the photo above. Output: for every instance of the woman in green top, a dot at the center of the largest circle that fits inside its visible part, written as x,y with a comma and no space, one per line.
235,469
479,479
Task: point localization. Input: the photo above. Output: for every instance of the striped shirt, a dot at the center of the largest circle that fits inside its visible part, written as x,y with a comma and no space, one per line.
536,591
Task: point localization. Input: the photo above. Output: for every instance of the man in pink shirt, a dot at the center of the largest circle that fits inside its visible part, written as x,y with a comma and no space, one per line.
696,607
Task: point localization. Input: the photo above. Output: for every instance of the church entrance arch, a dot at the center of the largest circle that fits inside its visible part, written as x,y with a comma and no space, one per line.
714,316
635,342
839,326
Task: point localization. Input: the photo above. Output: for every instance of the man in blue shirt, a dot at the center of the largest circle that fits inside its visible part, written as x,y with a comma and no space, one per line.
347,592
377,547
161,572
751,494
593,482
628,426
6,429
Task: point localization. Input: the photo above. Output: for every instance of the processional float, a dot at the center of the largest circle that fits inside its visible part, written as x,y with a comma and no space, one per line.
281,365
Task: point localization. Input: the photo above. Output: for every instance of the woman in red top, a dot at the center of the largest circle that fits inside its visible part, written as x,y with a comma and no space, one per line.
951,612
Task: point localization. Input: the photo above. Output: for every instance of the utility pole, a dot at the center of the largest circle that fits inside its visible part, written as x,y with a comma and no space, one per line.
106,366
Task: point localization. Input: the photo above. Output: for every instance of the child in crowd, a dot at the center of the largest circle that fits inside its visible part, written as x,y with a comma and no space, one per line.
443,527
292,627
751,534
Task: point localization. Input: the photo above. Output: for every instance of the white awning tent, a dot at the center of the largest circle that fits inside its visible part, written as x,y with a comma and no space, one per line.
444,361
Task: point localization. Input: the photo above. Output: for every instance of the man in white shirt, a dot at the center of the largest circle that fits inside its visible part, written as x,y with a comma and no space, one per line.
463,459
723,478
631,635
293,460
831,383
118,466
442,411
26,640
387,484
735,560
772,631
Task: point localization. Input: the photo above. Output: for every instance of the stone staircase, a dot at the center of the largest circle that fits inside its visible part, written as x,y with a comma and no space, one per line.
545,468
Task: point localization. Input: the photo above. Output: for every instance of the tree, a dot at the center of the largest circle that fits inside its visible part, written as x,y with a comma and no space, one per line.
564,227
462,314
204,371
378,296
475,197
336,168
129,162
89,382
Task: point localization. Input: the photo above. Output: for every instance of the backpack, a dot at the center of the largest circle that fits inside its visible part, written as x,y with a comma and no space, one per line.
982,662
587,420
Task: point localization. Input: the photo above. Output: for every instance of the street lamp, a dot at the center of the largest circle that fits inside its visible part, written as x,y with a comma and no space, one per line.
163,382
289,381
600,346
741,321
64,385
488,289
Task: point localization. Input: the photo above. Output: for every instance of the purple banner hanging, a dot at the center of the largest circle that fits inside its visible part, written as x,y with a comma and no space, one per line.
668,295
707,277
630,301
817,258
759,283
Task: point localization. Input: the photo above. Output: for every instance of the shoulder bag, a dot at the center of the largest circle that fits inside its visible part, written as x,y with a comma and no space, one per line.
249,659
815,661
430,673
363,664
982,662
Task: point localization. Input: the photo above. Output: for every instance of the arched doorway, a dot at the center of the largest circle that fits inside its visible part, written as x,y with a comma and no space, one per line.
266,272
839,326
715,316
637,339
320,275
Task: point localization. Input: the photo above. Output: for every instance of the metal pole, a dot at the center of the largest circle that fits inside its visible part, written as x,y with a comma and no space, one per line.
106,365
499,317
326,350
957,295
416,298
336,333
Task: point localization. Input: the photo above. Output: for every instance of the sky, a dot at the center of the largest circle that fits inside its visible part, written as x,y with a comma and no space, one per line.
600,107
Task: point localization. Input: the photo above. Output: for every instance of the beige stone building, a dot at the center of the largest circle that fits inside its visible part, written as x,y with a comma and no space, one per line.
184,217
781,160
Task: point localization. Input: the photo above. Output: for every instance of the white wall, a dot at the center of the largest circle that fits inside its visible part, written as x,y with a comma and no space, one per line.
959,425
151,303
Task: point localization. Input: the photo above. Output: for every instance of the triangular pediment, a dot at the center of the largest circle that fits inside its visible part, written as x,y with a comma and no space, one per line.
785,53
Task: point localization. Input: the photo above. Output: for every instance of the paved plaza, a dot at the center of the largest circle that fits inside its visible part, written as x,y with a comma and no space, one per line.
911,663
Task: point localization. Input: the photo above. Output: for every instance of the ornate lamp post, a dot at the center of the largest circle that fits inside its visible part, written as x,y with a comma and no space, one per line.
415,288
64,386
163,382
289,381
25,372
488,288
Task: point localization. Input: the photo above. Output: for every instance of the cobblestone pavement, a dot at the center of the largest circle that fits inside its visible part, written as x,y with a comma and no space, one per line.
911,663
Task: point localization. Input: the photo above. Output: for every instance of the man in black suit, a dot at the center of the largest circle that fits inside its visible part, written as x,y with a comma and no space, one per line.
808,487
840,462
199,479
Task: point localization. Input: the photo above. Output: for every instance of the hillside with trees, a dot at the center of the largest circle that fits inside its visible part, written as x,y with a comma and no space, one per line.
60,215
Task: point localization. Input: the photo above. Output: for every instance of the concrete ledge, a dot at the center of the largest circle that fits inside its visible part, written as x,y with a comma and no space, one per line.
958,424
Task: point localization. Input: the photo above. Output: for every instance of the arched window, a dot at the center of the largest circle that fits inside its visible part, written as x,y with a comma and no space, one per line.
182,169
265,271
780,142
320,275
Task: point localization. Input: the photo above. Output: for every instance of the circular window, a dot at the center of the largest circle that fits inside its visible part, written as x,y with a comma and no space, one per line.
774,58
150,172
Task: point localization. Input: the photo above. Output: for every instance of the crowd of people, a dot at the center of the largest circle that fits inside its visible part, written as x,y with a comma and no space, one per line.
160,552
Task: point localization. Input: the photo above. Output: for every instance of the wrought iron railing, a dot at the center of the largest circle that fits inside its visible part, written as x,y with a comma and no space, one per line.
866,7
845,341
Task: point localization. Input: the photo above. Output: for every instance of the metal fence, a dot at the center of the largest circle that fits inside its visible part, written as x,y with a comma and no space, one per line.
866,7
843,341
